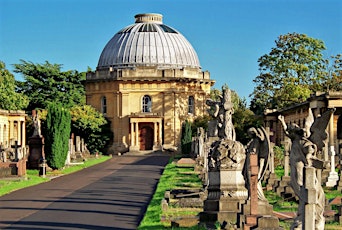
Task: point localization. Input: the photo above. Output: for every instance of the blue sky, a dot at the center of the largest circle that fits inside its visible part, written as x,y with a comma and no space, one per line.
228,36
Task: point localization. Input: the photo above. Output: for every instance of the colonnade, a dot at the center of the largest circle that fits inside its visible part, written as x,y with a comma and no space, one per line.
134,134
11,130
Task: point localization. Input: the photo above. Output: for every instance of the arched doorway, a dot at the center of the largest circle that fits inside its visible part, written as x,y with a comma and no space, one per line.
146,136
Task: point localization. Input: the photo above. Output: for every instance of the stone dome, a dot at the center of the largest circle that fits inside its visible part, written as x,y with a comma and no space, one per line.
148,42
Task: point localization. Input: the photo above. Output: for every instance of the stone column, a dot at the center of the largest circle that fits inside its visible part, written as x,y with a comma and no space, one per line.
132,134
136,134
19,132
1,136
23,134
155,130
5,135
11,133
326,148
160,133
333,175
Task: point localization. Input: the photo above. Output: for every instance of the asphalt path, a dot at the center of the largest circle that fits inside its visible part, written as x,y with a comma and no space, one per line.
110,195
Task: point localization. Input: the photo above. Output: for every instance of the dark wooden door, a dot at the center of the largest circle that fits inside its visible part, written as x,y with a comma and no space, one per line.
146,138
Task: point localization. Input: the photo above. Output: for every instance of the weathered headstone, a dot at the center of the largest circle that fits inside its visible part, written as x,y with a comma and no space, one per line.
304,166
257,207
36,144
283,187
226,190
78,144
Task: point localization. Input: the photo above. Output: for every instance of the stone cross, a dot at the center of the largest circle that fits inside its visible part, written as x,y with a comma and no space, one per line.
333,175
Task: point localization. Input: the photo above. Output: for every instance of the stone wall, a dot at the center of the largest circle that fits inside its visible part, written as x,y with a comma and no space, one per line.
13,168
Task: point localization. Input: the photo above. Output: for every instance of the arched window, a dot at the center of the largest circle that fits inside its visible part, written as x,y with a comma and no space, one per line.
146,104
191,105
104,105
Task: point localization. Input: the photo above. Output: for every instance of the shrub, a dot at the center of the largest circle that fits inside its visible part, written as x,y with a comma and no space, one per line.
186,137
279,155
58,126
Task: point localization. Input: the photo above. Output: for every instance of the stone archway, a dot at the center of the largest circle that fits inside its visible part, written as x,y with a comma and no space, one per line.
146,136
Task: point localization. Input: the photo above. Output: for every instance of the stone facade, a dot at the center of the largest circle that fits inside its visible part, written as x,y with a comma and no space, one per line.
170,92
298,113
147,83
318,103
12,143
12,129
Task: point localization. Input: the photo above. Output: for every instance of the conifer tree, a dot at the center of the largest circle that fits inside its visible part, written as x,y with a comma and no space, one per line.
186,137
58,127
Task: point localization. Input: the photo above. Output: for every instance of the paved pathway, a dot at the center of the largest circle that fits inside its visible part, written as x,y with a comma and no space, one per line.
111,195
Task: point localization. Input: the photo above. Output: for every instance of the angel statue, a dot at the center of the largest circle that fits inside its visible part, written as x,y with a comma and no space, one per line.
260,145
223,111
37,125
304,147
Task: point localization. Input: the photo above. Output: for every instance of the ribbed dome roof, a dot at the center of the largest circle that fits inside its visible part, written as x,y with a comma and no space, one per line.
148,42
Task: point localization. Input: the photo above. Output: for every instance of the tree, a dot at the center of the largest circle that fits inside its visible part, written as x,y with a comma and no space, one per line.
243,119
46,83
186,137
88,123
57,135
289,73
9,99
334,74
200,121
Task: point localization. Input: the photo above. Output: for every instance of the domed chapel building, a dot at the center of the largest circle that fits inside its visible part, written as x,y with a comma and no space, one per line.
148,81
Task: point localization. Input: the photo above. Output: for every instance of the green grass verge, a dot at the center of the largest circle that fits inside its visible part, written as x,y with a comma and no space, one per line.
171,178
174,177
89,162
32,177
10,185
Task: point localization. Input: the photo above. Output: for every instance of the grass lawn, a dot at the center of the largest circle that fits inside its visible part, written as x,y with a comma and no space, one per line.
32,177
174,177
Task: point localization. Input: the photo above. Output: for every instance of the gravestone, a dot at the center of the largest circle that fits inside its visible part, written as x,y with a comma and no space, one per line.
305,167
283,187
226,191
257,208
36,144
